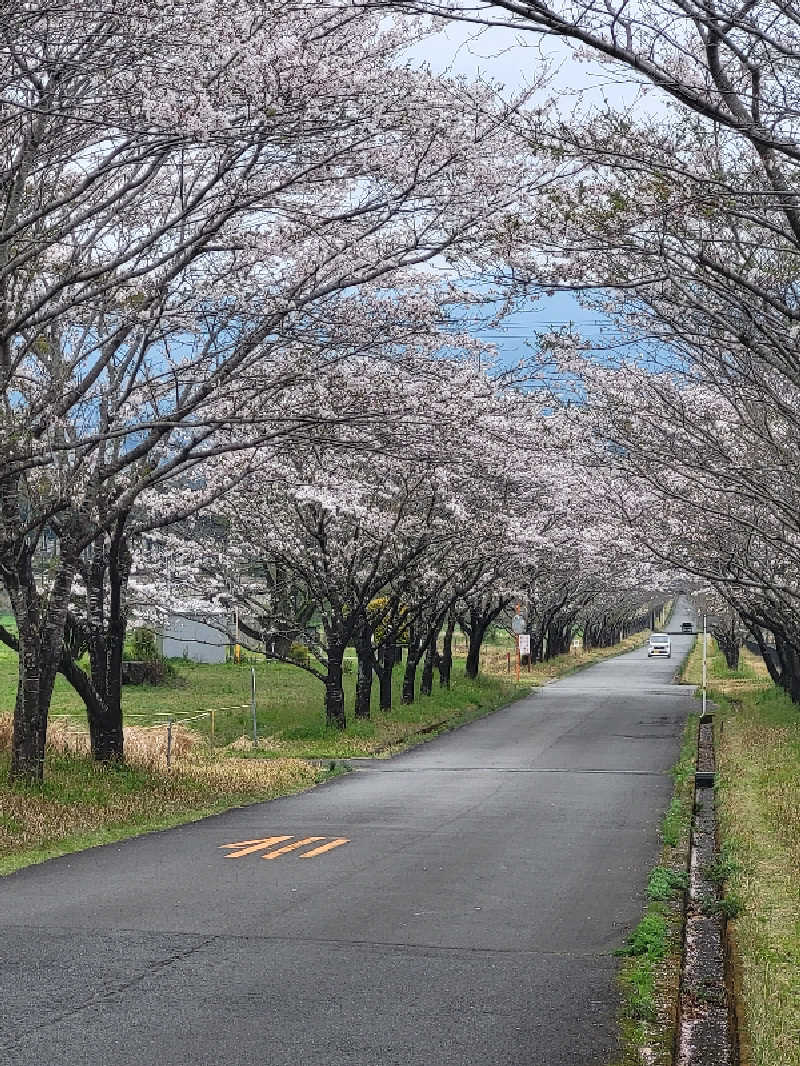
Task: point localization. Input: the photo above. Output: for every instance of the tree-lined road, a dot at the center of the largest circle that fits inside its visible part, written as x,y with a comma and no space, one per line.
469,918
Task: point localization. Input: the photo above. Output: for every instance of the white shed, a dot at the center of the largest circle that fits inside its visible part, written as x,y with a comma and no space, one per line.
186,637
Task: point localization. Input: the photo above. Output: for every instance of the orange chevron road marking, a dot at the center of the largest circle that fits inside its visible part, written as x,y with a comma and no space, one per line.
325,847
250,847
290,847
247,847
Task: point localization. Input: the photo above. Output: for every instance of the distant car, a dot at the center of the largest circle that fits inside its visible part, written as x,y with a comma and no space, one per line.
687,627
659,644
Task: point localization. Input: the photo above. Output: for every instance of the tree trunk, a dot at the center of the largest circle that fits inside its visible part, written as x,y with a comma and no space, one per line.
431,657
477,633
730,649
30,724
106,643
82,683
727,637
105,732
40,626
335,716
476,626
363,646
446,658
410,675
76,677
385,665
768,654
789,678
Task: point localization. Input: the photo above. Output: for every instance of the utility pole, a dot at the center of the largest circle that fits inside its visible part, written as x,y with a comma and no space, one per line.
705,665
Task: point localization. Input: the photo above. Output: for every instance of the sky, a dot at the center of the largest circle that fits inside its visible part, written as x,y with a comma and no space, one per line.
514,60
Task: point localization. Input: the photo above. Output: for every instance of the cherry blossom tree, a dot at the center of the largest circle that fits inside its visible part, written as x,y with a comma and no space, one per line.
188,191
291,402
684,225
366,531
389,529
699,482
727,64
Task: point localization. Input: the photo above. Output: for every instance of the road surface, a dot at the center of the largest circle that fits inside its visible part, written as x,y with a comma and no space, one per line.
458,905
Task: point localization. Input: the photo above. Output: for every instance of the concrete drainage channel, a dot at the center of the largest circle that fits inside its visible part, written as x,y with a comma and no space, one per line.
705,1034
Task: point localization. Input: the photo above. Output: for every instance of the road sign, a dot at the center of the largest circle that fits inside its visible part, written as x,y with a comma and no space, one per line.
524,643
518,624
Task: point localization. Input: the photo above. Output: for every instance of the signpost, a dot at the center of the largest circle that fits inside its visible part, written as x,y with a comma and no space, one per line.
518,627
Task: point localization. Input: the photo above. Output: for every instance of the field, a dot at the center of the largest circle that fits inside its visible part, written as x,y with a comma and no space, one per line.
289,702
81,804
289,707
758,798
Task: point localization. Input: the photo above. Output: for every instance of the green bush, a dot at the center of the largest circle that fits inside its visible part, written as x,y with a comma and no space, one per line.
298,653
649,937
664,882
143,646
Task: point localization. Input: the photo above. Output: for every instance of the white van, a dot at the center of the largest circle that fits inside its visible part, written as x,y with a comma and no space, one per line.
659,644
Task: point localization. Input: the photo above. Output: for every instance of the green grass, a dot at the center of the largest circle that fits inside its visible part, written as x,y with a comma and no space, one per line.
291,720
646,948
758,799
664,882
718,671
289,706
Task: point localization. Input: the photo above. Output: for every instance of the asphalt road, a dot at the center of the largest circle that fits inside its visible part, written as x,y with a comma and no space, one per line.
469,919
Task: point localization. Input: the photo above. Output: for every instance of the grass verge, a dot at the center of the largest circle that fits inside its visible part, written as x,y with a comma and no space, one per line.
651,959
290,721
758,806
81,804
758,799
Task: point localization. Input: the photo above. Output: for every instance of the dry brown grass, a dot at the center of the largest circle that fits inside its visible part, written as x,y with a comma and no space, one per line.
82,803
754,664
6,726
145,746
752,675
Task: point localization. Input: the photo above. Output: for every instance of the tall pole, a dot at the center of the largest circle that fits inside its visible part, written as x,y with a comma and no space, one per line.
705,663
253,705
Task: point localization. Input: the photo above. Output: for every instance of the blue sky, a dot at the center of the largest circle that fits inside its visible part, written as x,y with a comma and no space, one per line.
559,311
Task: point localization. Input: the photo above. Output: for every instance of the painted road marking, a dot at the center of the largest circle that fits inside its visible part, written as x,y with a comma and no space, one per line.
325,847
290,847
247,847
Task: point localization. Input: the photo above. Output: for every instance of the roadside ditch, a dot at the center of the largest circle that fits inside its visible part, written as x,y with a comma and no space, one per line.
681,999
706,1031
